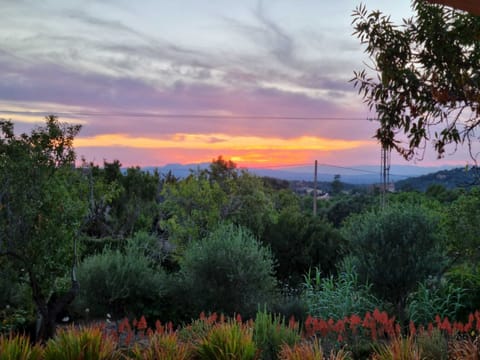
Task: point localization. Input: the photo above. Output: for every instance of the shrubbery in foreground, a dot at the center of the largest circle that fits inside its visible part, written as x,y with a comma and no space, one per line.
218,337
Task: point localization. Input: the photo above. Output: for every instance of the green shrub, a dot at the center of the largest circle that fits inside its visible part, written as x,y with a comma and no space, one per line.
17,347
338,297
119,283
227,272
291,305
270,332
228,341
434,298
466,277
17,309
164,346
300,242
86,343
434,345
310,350
398,348
396,248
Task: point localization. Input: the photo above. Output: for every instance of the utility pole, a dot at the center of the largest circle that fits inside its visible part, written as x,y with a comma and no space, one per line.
384,174
315,189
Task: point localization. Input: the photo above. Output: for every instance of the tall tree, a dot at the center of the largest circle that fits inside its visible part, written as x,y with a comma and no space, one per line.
426,82
40,212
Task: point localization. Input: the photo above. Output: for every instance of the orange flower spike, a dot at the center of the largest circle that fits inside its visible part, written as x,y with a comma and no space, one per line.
458,326
430,328
355,320
292,324
213,318
309,321
398,329
127,325
412,328
421,330
367,320
158,327
438,320
239,319
170,327
142,323
310,326
340,326
468,326
323,327
202,316
477,318
447,326
384,317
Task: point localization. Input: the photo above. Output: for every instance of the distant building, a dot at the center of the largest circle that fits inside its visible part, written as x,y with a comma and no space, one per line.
390,187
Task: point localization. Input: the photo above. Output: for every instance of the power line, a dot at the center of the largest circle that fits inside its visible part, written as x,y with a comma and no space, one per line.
185,115
330,166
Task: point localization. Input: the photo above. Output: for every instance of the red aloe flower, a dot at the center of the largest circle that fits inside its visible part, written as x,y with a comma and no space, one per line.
323,327
158,327
142,323
292,324
412,329
430,328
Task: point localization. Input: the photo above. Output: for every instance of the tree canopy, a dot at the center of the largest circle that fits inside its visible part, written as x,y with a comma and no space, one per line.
41,211
427,83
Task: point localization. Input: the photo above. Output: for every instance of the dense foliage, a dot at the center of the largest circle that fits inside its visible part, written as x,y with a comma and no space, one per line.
220,239
395,248
228,271
425,85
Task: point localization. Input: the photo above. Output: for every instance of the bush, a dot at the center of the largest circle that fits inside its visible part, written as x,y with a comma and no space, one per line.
434,345
310,351
396,248
19,348
87,343
228,272
338,297
119,283
227,341
300,242
164,346
398,348
431,299
17,310
271,332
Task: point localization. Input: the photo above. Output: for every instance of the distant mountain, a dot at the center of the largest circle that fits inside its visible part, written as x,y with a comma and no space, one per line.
450,179
367,174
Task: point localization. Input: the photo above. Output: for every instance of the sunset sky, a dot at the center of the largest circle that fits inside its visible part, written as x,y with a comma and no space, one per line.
264,83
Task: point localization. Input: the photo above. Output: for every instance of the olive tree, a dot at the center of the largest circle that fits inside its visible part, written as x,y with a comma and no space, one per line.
395,248
40,212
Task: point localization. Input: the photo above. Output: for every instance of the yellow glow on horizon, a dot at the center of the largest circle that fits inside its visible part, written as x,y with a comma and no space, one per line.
222,142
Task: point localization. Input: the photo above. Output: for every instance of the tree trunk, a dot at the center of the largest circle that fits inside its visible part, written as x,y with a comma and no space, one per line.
47,311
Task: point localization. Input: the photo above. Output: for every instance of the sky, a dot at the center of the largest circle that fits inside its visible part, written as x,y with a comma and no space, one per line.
154,82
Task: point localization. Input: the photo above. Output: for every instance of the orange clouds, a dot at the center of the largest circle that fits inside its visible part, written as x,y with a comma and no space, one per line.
245,150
